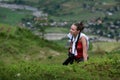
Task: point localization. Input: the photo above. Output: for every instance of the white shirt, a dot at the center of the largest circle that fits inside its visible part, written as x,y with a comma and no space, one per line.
74,51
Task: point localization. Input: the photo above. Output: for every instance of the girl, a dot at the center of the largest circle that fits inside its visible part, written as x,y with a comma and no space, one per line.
78,45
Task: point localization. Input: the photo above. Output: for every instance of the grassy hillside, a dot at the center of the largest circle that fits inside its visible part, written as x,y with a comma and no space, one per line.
24,56
22,43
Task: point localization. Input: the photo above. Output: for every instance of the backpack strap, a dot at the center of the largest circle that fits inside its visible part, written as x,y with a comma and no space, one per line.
71,39
77,40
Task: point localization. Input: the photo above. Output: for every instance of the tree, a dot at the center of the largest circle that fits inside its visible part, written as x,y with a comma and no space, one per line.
41,25
19,1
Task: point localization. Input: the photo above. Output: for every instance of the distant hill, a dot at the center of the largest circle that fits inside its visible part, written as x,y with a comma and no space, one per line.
72,10
100,16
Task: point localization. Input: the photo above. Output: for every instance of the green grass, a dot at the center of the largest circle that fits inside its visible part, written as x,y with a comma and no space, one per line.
115,15
24,56
83,15
18,38
68,11
106,46
98,69
12,17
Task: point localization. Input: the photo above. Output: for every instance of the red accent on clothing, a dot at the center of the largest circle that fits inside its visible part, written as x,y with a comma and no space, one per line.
79,50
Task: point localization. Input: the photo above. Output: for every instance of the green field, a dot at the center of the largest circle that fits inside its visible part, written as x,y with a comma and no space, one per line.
24,56
84,15
13,17
106,46
64,10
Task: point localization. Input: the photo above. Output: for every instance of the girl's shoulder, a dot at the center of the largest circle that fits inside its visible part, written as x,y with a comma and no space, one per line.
83,35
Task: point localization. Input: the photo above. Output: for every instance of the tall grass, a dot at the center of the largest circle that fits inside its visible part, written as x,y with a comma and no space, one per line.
24,56
100,69
106,46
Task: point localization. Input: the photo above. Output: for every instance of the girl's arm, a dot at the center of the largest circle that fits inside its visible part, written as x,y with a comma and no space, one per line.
84,44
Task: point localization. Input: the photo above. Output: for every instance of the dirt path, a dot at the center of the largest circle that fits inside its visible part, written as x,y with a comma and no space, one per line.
55,36
59,36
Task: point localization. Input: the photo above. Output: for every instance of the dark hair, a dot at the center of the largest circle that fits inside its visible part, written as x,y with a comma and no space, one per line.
79,26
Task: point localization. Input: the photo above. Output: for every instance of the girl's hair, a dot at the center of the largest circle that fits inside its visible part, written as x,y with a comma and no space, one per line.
79,26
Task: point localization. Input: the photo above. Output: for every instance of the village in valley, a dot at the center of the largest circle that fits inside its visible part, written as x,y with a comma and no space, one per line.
39,38
103,28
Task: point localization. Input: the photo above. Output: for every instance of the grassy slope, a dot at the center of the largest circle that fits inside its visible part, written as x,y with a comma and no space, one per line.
23,44
24,56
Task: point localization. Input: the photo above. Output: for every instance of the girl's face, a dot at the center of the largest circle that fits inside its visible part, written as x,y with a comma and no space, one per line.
73,30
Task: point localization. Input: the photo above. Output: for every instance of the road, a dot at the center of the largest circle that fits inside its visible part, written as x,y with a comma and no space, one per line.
34,10
50,36
59,36
55,36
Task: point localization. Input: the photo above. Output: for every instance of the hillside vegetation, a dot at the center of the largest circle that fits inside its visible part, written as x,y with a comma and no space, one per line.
73,10
100,16
22,42
13,17
24,56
